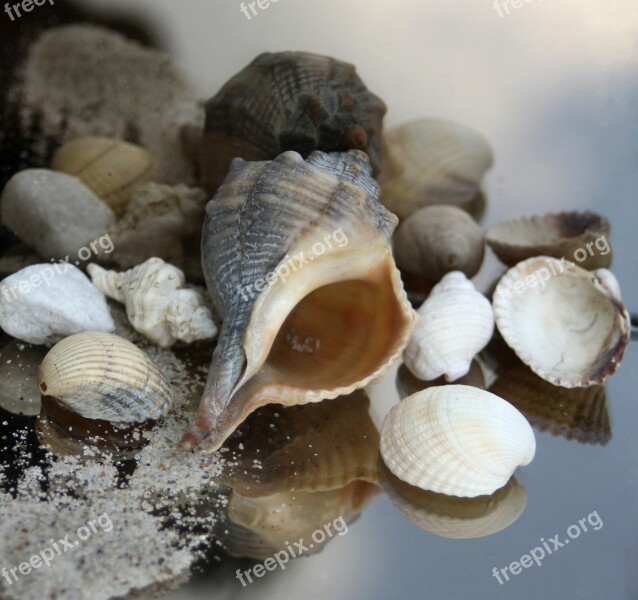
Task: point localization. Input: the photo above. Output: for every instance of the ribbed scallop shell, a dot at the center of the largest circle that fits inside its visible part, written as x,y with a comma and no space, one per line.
432,161
578,236
289,101
112,168
299,266
456,324
567,324
103,376
436,240
407,384
453,517
456,440
315,447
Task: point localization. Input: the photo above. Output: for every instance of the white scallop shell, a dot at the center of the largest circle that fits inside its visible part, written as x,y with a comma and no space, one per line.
567,324
157,304
456,323
456,440
432,161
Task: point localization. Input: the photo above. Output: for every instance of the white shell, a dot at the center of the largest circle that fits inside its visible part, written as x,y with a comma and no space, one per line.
456,440
456,324
567,324
432,161
157,304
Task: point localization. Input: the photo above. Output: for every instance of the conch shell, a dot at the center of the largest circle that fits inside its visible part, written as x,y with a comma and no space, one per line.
456,440
289,101
293,251
572,235
567,324
456,323
157,304
432,161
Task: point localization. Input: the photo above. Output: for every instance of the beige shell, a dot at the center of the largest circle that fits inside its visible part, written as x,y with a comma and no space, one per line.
432,161
111,168
436,240
456,324
580,237
314,447
298,263
567,324
160,221
453,517
157,303
103,376
456,440
578,414
407,384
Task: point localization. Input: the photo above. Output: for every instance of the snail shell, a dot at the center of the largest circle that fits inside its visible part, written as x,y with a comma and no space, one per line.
111,168
456,323
573,235
298,262
436,240
289,101
432,161
456,440
103,376
567,324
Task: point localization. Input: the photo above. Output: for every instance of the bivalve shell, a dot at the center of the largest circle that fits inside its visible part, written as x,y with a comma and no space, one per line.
456,440
103,376
567,324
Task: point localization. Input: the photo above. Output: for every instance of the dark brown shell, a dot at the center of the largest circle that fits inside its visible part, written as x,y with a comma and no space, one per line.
289,101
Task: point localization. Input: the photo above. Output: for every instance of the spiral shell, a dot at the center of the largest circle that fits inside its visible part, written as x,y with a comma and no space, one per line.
456,324
456,440
103,376
436,240
289,101
567,324
111,168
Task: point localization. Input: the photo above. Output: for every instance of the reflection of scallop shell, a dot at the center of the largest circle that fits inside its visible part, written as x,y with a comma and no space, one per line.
304,448
456,440
568,234
576,413
407,384
567,324
453,517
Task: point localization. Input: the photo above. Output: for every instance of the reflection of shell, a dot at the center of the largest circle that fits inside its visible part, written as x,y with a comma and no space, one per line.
432,161
436,240
259,527
304,448
407,384
297,246
576,413
456,324
160,221
456,440
157,304
572,235
103,376
567,324
111,168
453,517
289,101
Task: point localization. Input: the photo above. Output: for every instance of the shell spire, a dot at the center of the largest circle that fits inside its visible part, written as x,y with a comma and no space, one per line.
297,250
